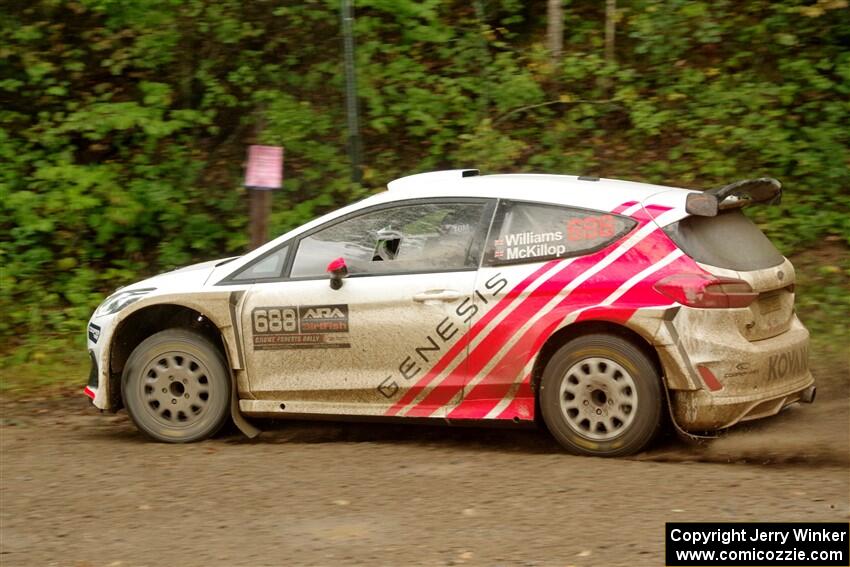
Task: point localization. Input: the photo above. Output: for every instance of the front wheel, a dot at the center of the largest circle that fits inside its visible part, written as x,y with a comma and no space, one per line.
176,387
601,395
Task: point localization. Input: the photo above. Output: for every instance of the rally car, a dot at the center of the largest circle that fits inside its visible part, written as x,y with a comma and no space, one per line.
600,308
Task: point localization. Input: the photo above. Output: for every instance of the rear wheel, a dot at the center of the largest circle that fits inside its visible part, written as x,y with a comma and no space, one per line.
601,395
176,387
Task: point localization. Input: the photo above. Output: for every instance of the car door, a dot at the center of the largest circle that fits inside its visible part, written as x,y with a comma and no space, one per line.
361,348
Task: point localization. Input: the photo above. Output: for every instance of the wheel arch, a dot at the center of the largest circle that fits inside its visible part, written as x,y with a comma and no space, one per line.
563,335
147,321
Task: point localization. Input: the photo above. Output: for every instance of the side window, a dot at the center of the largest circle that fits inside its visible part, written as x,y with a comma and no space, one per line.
409,238
532,232
267,267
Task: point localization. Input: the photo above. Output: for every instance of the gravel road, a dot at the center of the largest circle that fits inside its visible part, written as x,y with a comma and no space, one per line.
84,489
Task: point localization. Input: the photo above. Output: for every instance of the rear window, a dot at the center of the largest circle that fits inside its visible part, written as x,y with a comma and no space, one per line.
730,240
534,232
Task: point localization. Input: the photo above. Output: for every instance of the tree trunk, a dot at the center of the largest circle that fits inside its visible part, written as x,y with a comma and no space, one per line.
555,30
610,29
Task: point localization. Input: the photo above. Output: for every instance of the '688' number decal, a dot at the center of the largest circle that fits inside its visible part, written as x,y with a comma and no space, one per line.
275,320
302,326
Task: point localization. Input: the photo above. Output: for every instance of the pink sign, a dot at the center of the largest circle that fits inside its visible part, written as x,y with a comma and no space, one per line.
265,167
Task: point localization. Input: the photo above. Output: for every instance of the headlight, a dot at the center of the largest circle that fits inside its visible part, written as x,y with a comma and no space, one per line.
118,301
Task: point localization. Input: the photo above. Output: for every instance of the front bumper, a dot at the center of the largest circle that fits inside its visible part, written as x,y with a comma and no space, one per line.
97,387
737,380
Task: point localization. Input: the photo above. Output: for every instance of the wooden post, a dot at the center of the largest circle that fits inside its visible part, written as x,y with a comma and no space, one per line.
610,30
607,83
555,30
355,150
260,205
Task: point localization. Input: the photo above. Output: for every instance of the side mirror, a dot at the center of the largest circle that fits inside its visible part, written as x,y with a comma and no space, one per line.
337,270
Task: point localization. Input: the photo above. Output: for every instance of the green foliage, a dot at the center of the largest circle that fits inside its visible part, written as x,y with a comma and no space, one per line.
822,301
123,125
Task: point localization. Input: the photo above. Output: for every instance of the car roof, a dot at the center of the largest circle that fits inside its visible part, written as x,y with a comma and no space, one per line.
579,191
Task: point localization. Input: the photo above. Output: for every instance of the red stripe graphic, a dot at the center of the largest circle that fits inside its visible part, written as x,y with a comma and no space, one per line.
623,207
519,400
501,377
522,399
640,295
473,332
654,211
522,406
487,349
490,391
89,392
453,384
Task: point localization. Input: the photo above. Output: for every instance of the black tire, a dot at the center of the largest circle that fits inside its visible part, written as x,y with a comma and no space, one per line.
601,395
176,387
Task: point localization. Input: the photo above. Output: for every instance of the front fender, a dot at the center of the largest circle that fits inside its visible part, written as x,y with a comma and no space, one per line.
218,306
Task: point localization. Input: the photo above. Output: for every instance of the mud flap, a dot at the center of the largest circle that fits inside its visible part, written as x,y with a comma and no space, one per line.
681,433
247,428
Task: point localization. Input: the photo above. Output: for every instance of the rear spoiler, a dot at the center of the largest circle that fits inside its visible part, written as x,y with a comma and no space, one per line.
733,196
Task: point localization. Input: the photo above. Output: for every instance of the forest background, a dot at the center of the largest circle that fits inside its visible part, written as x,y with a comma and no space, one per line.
124,128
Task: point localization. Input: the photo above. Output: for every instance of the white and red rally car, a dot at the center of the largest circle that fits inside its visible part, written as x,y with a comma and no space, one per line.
593,304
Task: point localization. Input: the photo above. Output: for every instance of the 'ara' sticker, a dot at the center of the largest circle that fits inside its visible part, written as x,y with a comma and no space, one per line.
304,326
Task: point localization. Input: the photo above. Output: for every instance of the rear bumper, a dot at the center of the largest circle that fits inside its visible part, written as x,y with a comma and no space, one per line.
736,379
702,410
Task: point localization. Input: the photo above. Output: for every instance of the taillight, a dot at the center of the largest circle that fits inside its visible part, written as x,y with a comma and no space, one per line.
699,290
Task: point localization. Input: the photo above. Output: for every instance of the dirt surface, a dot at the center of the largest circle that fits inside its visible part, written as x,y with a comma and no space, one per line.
84,489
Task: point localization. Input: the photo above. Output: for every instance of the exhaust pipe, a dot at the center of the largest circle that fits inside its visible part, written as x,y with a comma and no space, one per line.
807,396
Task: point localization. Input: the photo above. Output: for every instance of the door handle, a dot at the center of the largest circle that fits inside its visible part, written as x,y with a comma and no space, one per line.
435,296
